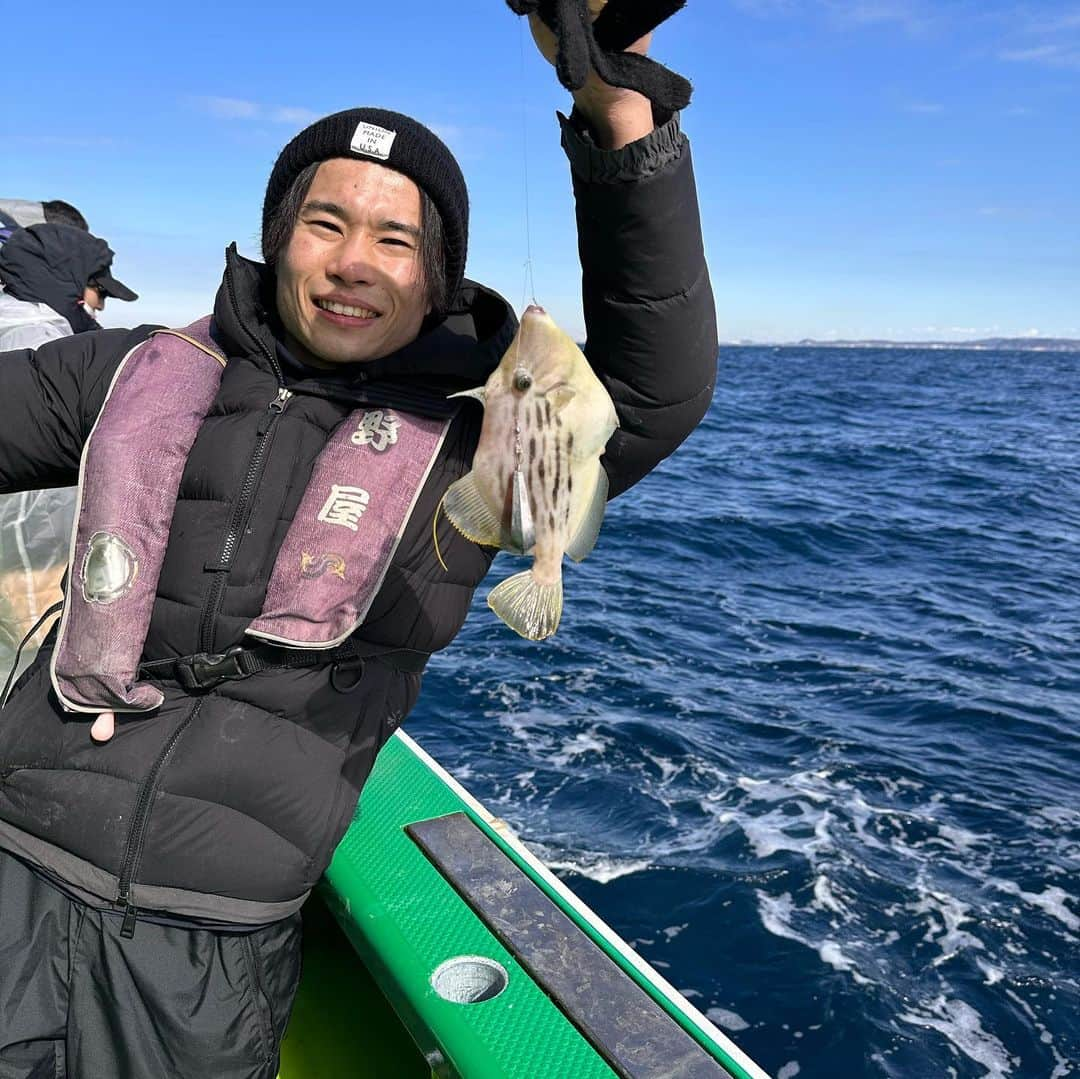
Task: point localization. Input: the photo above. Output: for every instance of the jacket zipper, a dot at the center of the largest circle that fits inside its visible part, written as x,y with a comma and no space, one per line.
238,520
143,802
139,819
270,358
259,993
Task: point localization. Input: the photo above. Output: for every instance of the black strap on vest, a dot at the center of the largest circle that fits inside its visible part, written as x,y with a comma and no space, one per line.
205,670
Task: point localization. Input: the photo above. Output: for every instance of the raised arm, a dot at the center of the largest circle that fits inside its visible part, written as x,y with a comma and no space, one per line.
649,312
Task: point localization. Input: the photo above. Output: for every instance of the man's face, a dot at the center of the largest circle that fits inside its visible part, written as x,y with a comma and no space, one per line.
350,284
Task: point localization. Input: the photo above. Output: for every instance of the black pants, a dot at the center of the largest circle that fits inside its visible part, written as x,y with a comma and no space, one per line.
78,1001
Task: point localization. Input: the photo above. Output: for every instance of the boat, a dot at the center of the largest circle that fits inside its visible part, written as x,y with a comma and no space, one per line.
438,945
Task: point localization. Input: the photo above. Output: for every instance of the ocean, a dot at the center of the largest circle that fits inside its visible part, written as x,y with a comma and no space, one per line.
807,735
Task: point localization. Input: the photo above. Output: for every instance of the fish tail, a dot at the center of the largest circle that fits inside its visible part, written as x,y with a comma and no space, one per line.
529,608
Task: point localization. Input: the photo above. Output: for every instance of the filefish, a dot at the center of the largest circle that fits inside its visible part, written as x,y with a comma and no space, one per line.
536,486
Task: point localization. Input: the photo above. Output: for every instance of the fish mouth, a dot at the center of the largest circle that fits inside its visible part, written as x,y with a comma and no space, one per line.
349,310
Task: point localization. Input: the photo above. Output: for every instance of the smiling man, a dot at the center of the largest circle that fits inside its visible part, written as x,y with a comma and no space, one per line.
254,586
351,286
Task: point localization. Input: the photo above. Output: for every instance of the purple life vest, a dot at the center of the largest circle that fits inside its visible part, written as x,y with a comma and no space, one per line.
328,570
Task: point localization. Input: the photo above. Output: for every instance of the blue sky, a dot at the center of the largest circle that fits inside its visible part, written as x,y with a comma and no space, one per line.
893,168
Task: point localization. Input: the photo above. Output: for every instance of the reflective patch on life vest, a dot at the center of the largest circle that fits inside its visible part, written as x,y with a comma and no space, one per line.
108,570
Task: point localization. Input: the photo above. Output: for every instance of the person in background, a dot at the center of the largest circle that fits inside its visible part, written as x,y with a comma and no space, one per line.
55,278
19,213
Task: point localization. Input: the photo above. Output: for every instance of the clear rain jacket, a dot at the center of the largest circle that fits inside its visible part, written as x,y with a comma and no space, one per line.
34,525
25,324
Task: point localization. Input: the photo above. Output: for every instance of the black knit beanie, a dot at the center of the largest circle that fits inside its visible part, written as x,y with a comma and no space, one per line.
391,139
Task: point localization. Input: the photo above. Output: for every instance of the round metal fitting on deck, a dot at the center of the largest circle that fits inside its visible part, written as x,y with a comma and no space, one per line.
469,979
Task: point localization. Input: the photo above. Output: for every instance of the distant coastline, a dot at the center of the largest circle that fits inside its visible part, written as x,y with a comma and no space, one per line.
988,344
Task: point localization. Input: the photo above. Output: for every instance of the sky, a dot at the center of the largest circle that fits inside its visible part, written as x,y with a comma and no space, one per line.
905,169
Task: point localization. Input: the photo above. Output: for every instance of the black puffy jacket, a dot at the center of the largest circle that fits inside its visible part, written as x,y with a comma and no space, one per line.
226,806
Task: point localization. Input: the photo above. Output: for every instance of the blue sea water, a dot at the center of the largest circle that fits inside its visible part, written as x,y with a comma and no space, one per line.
808,733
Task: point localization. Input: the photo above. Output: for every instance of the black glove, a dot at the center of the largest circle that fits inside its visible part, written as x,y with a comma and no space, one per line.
601,43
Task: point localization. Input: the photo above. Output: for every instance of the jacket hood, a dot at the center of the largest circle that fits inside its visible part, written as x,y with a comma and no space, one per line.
52,264
457,353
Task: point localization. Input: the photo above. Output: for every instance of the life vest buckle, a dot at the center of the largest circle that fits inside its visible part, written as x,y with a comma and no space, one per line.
209,669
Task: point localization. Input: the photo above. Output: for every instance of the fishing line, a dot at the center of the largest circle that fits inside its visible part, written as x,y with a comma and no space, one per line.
435,534
529,285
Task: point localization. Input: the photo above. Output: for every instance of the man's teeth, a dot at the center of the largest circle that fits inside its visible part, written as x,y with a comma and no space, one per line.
345,309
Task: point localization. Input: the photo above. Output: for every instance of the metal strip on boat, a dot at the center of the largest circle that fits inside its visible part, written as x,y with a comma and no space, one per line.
636,1037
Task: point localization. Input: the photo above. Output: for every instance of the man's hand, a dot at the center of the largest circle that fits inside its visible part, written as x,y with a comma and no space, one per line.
104,727
616,116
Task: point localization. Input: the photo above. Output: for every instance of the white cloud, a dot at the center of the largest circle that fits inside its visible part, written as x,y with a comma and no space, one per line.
866,12
926,108
1056,24
912,15
71,141
469,142
228,108
291,114
235,108
1056,55
448,132
1047,40
1019,32
765,8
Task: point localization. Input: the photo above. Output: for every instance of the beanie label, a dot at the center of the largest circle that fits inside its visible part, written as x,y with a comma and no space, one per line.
372,141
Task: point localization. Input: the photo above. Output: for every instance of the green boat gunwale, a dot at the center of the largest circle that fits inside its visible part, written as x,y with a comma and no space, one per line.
399,913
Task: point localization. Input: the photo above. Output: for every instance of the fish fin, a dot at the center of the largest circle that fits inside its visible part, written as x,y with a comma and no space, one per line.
470,514
584,539
477,393
530,609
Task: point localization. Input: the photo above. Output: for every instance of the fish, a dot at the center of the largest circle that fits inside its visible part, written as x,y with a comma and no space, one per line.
537,485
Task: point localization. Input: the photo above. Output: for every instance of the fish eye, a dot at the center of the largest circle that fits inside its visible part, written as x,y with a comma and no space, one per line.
522,380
